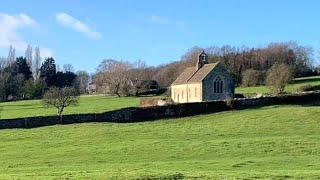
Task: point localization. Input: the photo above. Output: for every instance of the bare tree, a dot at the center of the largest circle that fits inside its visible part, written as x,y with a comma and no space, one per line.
60,98
28,55
138,74
279,75
36,64
3,62
68,68
115,76
12,55
83,81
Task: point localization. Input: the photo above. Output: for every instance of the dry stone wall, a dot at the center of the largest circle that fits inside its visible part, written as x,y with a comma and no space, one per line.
138,114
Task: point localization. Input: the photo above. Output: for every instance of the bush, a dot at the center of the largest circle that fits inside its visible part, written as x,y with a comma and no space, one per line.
252,77
279,75
309,88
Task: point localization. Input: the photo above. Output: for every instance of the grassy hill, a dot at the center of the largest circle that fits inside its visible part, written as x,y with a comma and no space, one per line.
294,86
273,142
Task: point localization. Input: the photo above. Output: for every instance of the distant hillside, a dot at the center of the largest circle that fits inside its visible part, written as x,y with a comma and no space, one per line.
294,86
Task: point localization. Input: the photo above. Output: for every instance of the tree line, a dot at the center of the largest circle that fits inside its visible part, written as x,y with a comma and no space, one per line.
27,77
249,66
238,60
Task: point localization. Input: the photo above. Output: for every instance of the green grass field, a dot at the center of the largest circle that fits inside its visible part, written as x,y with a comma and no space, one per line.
87,104
275,142
294,86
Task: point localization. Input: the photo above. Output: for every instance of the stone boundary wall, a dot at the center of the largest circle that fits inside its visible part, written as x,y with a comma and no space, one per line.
139,114
148,102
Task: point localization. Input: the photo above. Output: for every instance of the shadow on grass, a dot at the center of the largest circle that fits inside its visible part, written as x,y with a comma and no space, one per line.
301,81
19,105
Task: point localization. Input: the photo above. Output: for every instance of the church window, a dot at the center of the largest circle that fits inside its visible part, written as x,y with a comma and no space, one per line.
218,85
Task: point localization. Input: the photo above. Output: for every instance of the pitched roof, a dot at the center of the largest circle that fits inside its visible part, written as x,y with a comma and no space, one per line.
185,75
202,72
192,75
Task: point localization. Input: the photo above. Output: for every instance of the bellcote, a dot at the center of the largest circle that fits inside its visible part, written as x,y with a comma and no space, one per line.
202,60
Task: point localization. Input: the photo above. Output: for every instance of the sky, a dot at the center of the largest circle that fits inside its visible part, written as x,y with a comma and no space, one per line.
84,32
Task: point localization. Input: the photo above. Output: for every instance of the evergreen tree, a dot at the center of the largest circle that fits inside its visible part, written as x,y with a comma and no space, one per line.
48,72
23,67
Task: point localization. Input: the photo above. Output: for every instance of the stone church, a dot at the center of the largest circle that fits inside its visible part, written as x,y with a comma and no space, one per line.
204,82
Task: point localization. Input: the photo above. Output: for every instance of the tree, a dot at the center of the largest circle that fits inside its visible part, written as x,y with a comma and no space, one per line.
68,68
36,64
60,98
279,75
23,67
64,79
12,55
252,77
28,55
138,74
114,76
48,72
4,77
3,63
82,81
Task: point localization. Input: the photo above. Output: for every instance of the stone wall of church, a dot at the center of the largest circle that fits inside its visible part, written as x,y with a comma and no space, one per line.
186,93
208,84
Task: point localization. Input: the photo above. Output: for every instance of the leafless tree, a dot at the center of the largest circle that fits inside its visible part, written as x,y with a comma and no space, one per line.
12,55
36,64
83,81
166,74
68,68
138,74
60,98
28,55
115,76
3,63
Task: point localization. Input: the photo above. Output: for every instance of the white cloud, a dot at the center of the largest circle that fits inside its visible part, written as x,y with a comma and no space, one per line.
8,32
10,24
158,19
46,52
75,24
166,21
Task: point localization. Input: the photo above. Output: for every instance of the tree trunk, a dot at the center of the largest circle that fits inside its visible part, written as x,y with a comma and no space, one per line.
60,110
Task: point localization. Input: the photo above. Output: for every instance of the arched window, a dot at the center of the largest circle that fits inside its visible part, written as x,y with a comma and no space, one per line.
218,85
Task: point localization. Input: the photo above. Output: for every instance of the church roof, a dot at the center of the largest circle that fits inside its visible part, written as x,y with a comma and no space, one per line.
192,75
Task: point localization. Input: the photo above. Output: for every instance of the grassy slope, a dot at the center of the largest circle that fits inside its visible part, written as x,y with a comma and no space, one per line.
271,142
87,104
298,82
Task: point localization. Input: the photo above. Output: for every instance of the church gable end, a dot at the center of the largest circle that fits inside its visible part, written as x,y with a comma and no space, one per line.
204,82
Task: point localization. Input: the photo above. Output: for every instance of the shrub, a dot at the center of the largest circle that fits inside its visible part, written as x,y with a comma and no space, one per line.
279,75
253,77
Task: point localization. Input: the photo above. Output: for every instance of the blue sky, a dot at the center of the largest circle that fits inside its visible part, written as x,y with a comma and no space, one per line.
83,33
